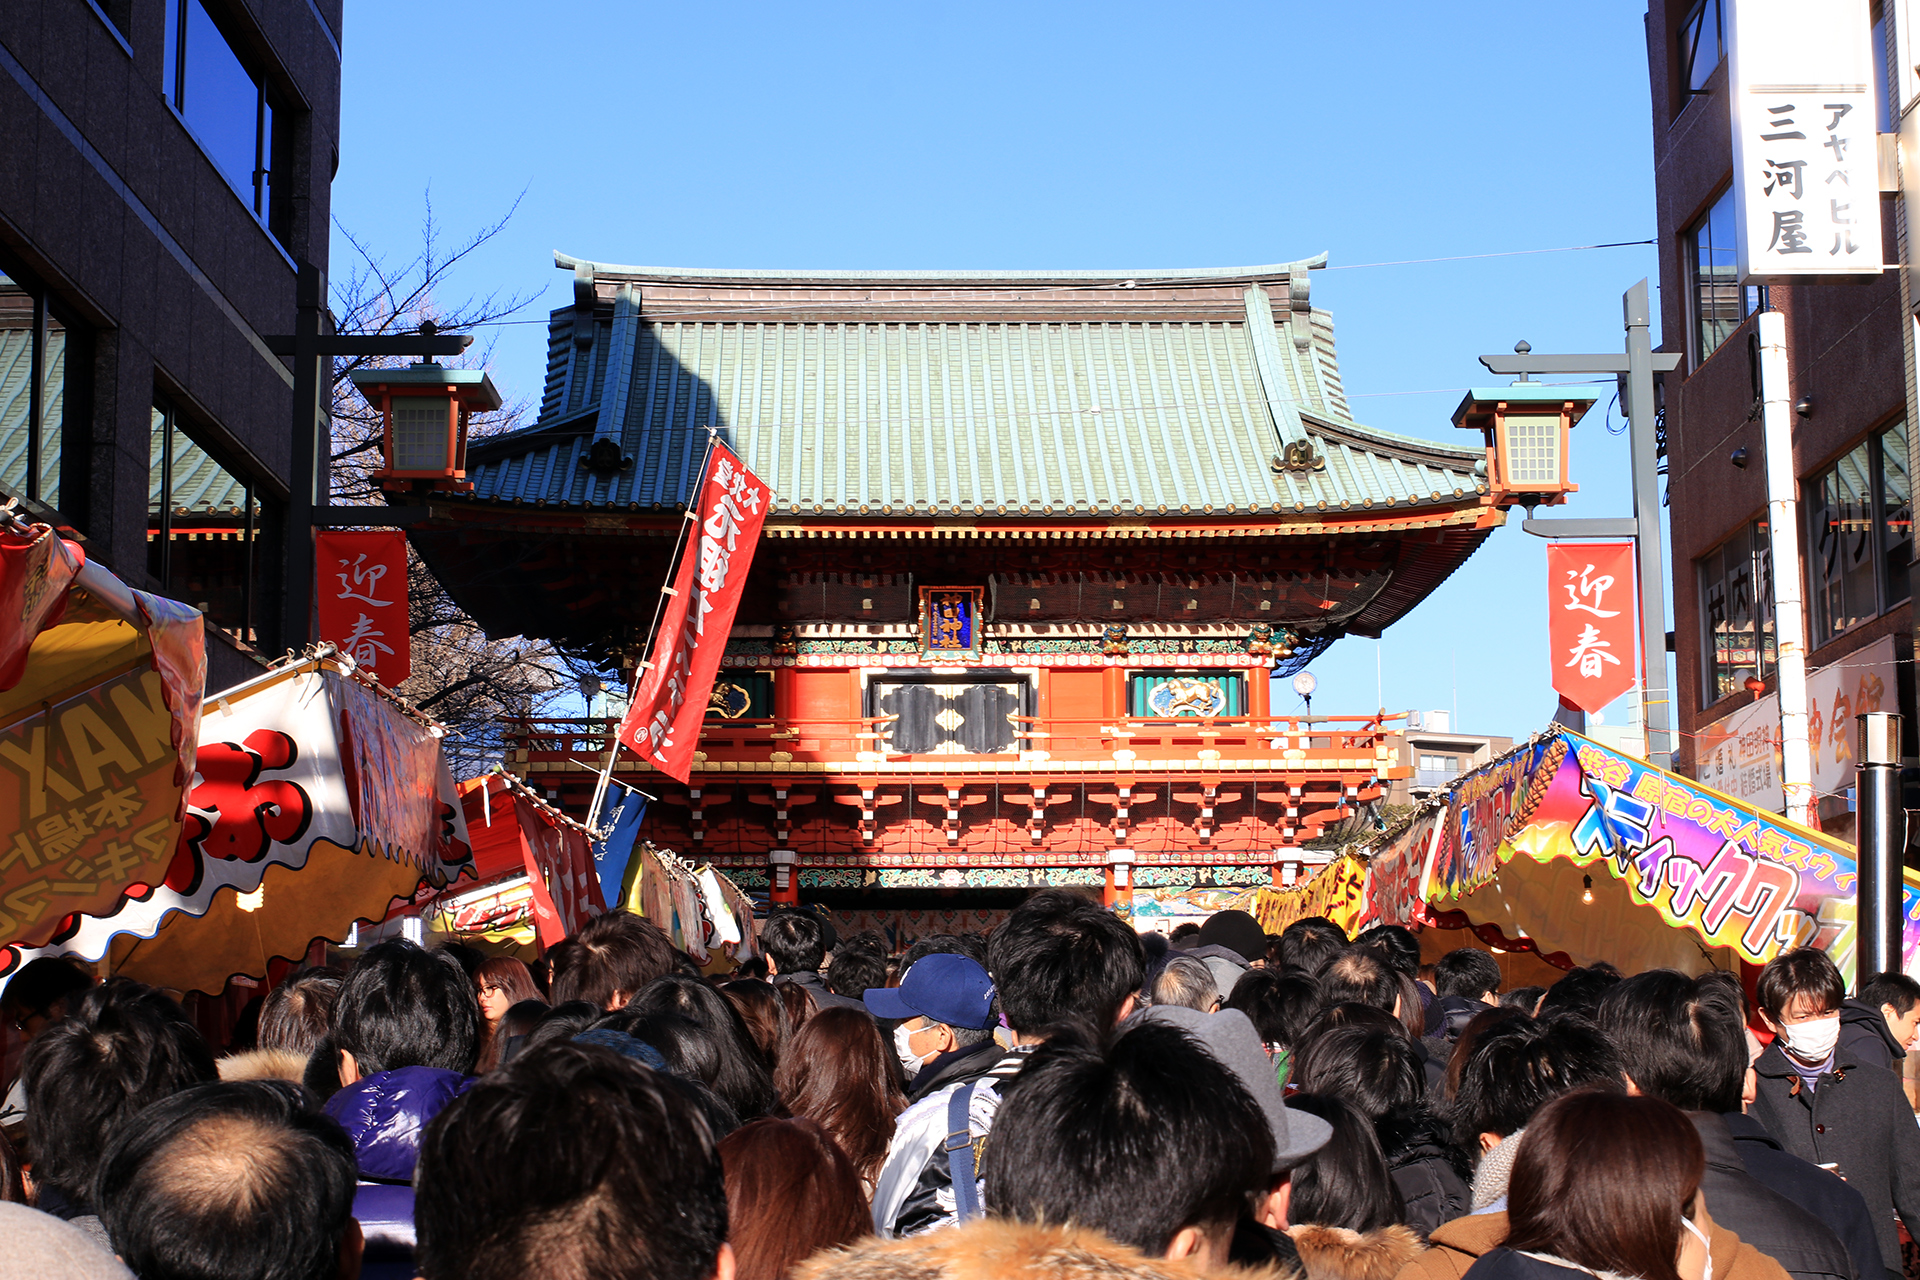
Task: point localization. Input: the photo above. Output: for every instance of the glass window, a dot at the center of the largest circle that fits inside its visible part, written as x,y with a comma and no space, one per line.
1736,598
1700,44
227,106
33,387
1718,301
203,530
1860,534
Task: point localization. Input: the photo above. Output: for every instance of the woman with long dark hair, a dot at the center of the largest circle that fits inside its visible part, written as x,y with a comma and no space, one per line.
839,1072
791,1192
765,1014
737,1072
1604,1185
501,983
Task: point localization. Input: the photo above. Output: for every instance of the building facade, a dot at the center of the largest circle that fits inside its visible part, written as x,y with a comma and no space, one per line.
1852,452
1037,542
166,166
1432,756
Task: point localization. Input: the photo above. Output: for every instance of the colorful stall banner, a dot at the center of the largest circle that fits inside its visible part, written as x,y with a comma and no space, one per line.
662,725
97,743
1740,754
1478,810
35,569
1736,876
362,595
1590,621
1337,892
298,762
1394,874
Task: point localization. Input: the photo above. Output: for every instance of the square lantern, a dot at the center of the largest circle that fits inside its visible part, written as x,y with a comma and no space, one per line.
1527,428
424,410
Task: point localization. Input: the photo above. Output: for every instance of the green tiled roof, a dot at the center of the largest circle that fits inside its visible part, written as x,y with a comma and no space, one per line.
1068,392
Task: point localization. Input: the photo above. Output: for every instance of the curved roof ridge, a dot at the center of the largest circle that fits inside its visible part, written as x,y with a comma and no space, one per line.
1159,275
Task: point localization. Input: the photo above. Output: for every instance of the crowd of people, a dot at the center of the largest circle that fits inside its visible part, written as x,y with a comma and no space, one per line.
1060,1098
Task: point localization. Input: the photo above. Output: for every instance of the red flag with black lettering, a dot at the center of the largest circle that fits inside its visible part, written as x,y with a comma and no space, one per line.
670,702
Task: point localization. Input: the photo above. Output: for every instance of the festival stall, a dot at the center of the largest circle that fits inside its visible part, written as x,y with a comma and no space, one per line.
1575,851
319,800
100,689
704,913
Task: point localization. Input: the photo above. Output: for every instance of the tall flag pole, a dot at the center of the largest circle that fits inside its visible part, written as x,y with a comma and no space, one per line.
662,724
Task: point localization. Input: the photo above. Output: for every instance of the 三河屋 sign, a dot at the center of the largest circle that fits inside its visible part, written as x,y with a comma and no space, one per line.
663,723
1806,175
1590,621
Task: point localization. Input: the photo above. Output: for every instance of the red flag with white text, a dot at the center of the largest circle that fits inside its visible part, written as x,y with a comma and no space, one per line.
1590,621
362,588
670,702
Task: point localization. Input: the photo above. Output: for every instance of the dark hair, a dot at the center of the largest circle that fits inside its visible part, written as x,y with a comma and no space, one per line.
243,1180
1680,1039
737,1072
1059,956
562,1022
608,959
41,984
855,970
405,1006
1522,999
298,1012
516,1025
791,1192
1346,1182
1281,1005
1580,992
13,1189
1181,932
794,941
1466,972
512,977
1362,1016
126,1047
1395,946
1603,1180
1520,1066
1310,945
759,1005
1895,989
1357,977
1478,1025
1375,1070
1801,974
839,1072
969,945
1080,1123
570,1160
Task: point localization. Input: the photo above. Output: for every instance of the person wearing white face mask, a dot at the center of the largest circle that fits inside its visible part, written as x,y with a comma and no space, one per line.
944,1005
1827,1105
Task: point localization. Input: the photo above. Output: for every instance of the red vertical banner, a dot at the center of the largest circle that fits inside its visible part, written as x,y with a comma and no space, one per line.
361,581
1590,621
670,701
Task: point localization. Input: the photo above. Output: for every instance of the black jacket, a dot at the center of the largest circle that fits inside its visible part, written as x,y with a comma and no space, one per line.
1767,1220
953,1066
1856,1119
1505,1264
1865,1036
817,991
1430,1174
1812,1188
1449,1015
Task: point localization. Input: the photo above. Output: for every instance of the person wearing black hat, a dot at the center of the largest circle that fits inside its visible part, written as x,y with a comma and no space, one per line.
1230,943
944,1007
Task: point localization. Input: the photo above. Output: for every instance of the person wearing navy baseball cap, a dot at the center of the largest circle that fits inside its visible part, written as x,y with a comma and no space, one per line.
944,1007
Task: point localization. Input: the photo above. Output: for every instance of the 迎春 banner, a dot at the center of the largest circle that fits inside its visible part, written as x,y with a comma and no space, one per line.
663,723
362,594
1590,621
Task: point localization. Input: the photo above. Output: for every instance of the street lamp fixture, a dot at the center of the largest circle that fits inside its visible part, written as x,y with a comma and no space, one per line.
424,409
1527,428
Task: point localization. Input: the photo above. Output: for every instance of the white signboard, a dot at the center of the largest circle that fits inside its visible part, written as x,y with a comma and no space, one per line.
1806,174
1739,755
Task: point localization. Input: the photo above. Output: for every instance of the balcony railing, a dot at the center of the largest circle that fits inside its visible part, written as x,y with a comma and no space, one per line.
862,745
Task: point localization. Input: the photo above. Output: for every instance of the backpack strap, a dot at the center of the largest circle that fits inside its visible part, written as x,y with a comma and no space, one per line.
966,1189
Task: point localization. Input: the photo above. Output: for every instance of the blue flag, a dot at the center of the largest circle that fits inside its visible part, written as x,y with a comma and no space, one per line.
612,855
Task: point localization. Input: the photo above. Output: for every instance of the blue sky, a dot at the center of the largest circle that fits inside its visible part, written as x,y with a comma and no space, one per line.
1105,135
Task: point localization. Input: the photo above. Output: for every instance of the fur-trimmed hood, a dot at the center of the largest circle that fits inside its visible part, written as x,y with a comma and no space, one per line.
1335,1253
992,1249
263,1064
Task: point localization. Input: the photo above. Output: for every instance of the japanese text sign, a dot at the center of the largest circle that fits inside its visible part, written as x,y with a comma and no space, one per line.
1806,183
362,585
1590,621
663,723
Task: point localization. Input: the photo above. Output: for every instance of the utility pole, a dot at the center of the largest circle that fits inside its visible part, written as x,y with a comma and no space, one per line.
307,501
1880,909
1636,369
1783,540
